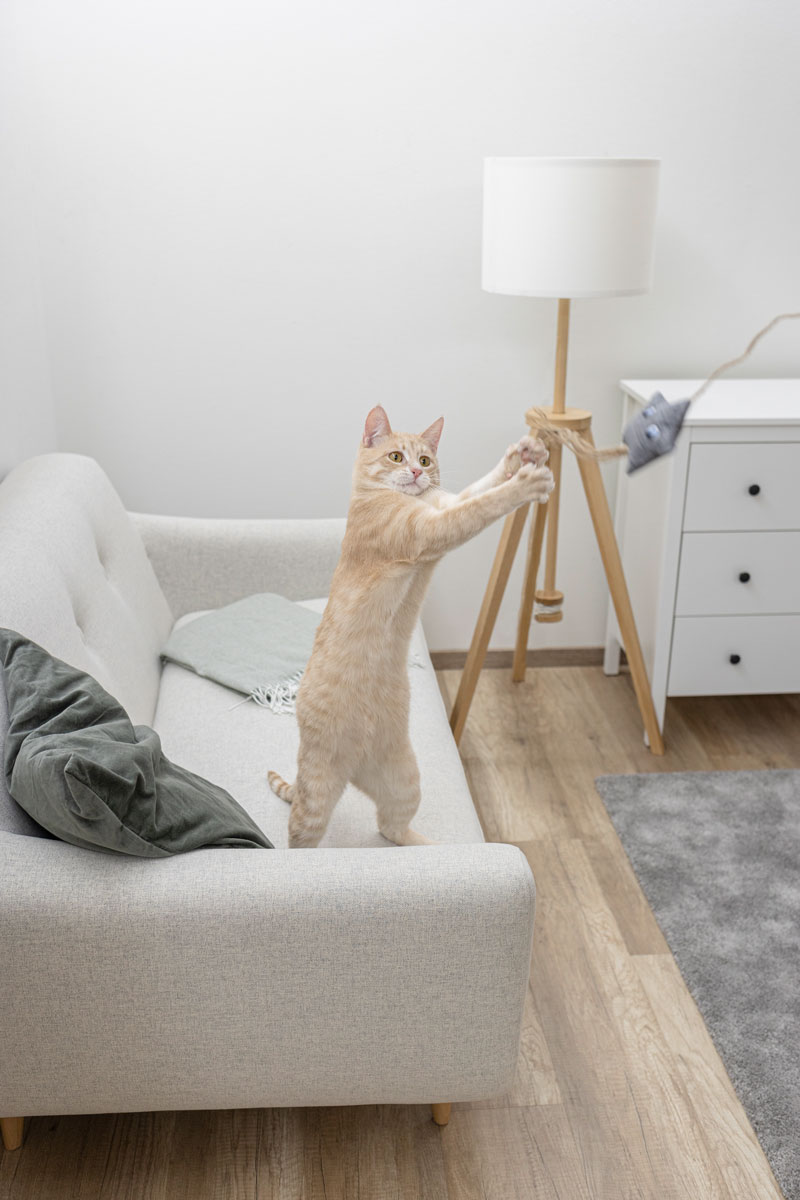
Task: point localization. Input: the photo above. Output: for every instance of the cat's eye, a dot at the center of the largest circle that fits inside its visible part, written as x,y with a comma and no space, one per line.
395,456
424,461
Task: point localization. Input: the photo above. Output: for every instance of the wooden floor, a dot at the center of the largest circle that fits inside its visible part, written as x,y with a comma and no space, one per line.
619,1091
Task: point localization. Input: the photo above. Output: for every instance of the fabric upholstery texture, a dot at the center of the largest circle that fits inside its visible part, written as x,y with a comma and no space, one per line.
76,580
203,563
295,977
77,765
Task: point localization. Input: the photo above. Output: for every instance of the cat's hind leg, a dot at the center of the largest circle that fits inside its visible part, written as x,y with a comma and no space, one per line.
313,797
391,780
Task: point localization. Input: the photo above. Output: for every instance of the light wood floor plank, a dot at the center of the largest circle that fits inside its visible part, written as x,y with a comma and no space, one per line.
513,1154
526,798
384,1152
214,1154
616,700
286,1165
725,1129
624,896
743,733
140,1153
61,1157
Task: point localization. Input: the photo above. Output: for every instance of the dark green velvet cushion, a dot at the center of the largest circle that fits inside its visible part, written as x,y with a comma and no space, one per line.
77,765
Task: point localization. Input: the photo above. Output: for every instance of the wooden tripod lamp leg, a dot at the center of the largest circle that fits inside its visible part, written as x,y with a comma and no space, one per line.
609,552
528,589
509,540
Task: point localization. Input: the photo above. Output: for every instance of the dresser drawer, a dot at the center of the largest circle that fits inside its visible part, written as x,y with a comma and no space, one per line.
721,476
713,569
768,650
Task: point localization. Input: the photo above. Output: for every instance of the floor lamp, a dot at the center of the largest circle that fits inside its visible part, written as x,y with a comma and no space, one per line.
563,228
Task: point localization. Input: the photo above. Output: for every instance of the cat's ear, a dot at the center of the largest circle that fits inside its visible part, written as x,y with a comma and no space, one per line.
376,427
433,433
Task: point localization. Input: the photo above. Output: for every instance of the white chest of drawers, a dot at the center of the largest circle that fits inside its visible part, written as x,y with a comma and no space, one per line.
710,543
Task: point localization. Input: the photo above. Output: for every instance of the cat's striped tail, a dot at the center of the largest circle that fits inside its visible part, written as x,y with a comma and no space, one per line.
280,787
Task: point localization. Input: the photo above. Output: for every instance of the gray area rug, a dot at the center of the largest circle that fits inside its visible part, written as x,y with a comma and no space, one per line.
718,857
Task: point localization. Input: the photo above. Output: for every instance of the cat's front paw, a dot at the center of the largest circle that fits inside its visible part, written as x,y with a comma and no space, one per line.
512,461
532,450
526,450
533,483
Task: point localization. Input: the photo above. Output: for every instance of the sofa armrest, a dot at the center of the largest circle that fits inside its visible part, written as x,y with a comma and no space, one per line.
207,562
248,978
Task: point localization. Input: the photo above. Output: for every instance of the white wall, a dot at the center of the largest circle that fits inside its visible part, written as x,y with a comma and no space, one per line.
27,420
261,217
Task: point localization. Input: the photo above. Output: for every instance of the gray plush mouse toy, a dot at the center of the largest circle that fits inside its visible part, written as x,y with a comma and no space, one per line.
653,431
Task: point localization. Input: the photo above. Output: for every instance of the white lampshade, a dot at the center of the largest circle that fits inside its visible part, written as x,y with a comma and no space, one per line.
569,227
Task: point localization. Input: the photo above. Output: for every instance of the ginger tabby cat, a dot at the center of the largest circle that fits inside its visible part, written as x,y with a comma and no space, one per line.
352,705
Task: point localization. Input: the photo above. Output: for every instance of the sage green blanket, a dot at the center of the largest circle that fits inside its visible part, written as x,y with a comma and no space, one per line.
258,646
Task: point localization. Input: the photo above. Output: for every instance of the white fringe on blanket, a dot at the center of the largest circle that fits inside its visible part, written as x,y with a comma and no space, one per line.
281,698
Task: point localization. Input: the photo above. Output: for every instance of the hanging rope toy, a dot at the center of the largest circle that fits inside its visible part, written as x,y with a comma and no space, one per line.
653,431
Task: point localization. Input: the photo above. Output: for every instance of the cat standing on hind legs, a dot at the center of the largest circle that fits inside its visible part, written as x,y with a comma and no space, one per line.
352,704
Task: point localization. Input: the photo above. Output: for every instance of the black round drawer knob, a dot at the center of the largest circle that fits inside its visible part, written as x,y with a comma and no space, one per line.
744,577
735,658
754,489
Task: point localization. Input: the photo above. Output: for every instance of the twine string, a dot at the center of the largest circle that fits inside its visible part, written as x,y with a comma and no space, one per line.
549,432
735,361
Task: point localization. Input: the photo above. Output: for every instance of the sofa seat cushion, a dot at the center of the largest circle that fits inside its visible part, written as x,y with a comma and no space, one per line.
207,728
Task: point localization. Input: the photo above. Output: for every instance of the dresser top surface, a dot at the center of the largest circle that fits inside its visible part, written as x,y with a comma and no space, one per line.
727,401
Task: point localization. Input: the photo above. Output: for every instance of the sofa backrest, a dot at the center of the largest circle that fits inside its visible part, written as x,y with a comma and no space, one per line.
75,577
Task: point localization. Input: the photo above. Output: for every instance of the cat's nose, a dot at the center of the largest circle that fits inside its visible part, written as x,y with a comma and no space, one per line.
416,472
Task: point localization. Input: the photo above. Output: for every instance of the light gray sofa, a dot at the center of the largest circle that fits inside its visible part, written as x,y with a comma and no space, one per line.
356,973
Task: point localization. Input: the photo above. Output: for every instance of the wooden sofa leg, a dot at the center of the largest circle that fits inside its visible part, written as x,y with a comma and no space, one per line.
11,1128
441,1113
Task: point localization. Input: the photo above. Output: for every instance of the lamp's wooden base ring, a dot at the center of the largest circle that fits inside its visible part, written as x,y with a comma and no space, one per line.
579,419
